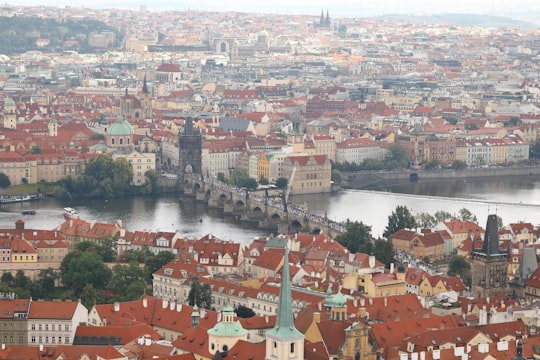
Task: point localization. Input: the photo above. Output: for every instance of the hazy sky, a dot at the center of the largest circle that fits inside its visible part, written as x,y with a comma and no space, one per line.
342,8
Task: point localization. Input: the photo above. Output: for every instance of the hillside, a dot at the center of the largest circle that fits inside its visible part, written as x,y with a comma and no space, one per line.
22,34
465,20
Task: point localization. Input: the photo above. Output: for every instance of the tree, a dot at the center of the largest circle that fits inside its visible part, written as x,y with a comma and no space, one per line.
244,312
221,177
263,181
357,238
459,266
90,296
22,281
249,183
4,181
36,149
336,176
105,249
239,176
513,121
44,283
401,218
383,251
425,220
471,126
432,164
534,151
156,262
458,165
123,276
442,215
466,215
8,279
84,268
282,183
200,294
396,157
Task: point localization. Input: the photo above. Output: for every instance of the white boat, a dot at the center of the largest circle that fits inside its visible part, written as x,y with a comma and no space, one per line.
70,213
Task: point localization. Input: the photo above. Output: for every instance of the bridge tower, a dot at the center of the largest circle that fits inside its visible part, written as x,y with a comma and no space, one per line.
190,148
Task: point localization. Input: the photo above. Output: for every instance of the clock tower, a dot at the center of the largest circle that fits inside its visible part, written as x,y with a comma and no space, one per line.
490,264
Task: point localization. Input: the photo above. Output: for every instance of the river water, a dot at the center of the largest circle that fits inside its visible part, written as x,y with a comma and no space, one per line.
512,198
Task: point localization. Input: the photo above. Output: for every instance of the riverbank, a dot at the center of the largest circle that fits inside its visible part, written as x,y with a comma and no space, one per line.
368,179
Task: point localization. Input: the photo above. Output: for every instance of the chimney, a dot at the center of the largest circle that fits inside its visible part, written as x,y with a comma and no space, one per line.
104,321
145,302
361,312
362,301
178,307
316,317
355,302
371,261
164,303
119,223
172,305
391,268
370,301
385,301
116,307
266,319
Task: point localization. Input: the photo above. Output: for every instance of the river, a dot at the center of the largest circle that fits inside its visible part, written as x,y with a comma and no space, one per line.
512,198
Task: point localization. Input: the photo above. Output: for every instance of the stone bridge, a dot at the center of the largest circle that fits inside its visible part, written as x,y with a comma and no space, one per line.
266,210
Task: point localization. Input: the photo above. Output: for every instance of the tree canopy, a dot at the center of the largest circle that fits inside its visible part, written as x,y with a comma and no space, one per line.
357,238
4,180
401,218
200,294
81,268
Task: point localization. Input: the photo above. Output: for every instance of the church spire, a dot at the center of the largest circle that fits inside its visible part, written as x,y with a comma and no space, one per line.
284,327
145,87
491,237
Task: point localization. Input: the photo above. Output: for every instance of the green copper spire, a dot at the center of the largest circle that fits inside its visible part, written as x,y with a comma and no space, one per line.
284,328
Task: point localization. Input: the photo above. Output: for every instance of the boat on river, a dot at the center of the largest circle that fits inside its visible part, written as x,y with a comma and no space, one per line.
70,213
28,212
9,199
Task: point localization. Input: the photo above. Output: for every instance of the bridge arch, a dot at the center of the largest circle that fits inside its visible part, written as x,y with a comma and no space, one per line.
257,212
275,219
295,226
239,206
222,199
207,195
316,231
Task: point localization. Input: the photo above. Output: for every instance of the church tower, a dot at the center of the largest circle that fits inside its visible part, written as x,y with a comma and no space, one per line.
10,114
284,342
295,138
53,125
190,148
146,101
490,265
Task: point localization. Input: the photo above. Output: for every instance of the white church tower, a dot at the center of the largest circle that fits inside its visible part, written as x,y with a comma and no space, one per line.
53,125
10,115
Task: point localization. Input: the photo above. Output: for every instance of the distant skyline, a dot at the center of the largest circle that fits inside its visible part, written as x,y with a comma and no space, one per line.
337,8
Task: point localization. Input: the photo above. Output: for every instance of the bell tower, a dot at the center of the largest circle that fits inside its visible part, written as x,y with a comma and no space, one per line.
190,147
10,115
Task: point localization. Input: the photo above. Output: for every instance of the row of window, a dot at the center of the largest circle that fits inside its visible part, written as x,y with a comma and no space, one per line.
21,339
59,328
53,340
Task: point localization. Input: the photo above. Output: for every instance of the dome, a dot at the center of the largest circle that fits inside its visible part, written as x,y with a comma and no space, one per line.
120,129
339,300
9,102
263,34
227,327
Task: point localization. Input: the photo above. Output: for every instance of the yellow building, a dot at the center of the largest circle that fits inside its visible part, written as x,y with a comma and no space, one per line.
22,251
381,284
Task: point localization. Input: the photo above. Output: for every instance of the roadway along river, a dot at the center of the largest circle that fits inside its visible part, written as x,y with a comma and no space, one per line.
512,198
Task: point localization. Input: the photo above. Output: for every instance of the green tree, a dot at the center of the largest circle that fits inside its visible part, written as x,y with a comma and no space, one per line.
244,312
471,126
458,165
383,251
263,181
8,279
458,265
44,284
396,157
534,151
221,177
105,249
513,121
432,164
249,183
22,281
200,294
124,276
150,182
4,181
401,218
84,268
442,215
282,182
36,149
425,220
156,262
466,215
239,176
90,296
357,238
336,176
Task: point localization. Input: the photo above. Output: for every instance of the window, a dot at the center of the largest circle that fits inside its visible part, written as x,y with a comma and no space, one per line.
33,339
66,328
292,348
66,340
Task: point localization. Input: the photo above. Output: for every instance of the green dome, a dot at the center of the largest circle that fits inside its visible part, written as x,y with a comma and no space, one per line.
227,327
9,102
339,300
120,129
